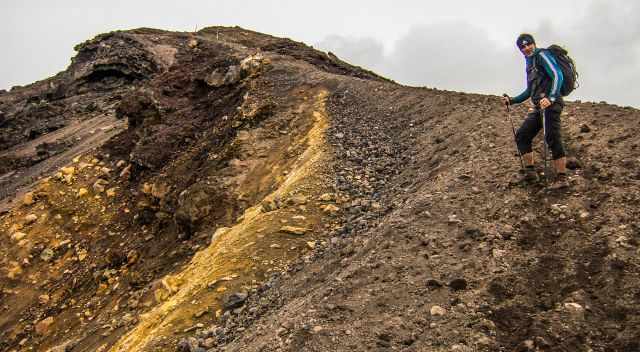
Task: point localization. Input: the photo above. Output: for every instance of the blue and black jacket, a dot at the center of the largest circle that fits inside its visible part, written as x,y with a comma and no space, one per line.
544,78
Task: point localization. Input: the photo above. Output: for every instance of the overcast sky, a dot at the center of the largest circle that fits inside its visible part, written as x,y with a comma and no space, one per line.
455,45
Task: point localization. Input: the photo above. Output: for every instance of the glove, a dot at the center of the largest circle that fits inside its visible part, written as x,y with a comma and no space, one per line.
506,100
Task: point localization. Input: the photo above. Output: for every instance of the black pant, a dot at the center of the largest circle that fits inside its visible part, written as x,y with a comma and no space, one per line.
532,124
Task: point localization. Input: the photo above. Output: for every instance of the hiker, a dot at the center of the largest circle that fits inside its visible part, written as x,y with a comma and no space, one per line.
544,82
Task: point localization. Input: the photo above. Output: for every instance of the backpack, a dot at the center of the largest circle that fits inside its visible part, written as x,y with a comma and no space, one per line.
568,67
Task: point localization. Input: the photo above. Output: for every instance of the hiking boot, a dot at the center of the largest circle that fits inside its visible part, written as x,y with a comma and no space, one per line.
529,175
561,183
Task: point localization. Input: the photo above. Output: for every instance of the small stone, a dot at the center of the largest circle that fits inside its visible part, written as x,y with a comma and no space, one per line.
556,209
327,197
311,244
585,128
82,254
573,163
330,209
132,257
18,236
28,198
473,233
458,284
506,231
47,254
437,311
30,219
42,327
82,192
126,172
294,230
121,163
574,308
44,299
160,190
453,219
219,232
235,300
433,283
14,271
275,246
298,199
498,253
268,205
161,215
316,329
68,170
528,345
99,185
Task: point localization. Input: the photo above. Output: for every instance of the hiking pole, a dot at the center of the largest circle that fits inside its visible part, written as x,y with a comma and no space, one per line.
513,129
544,139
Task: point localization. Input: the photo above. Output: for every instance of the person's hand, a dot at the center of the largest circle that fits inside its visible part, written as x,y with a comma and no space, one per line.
545,103
505,99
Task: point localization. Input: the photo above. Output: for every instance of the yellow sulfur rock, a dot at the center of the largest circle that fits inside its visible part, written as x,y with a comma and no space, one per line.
68,170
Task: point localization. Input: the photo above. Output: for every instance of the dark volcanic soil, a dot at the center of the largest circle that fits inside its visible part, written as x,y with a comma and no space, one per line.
413,234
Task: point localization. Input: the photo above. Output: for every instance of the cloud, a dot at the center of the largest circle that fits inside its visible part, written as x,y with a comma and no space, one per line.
446,55
452,55
359,51
604,41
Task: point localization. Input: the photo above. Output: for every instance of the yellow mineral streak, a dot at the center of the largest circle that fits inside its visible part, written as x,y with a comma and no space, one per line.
230,253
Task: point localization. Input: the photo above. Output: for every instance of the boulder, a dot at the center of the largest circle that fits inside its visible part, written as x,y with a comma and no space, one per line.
138,107
252,64
196,203
233,75
215,78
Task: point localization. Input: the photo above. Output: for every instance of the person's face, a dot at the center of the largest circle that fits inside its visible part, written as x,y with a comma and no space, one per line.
528,49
